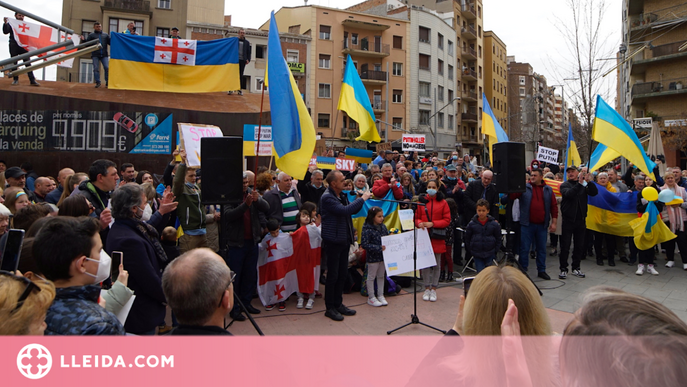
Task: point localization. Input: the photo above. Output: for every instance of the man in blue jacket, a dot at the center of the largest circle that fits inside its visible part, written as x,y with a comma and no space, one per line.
337,237
101,55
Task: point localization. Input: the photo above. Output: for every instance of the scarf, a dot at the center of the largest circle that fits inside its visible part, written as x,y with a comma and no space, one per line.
148,233
677,222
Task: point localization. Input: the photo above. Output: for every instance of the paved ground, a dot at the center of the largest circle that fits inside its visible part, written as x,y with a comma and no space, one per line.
561,297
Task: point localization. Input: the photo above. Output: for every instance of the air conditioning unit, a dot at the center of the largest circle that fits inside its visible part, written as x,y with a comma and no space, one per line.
391,6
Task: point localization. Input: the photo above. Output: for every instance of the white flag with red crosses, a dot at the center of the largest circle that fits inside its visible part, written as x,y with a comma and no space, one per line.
175,51
33,36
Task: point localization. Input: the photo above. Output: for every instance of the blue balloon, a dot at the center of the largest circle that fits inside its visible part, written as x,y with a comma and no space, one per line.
666,196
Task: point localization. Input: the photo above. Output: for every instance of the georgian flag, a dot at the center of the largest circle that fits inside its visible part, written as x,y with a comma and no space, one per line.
33,36
175,51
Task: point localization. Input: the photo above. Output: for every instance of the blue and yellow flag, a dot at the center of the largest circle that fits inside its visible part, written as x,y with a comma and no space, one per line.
611,212
491,127
326,162
361,156
356,103
572,156
611,130
649,230
293,133
133,65
390,209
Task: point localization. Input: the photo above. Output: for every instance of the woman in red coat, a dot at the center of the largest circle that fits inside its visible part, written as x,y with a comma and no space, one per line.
435,215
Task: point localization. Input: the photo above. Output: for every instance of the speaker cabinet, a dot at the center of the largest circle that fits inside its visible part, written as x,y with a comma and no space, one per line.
509,167
222,170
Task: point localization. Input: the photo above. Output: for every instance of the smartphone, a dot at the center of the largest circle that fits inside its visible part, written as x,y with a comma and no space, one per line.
116,261
466,284
11,251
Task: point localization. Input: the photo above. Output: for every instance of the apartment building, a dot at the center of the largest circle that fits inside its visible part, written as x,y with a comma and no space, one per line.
652,79
378,47
496,77
151,17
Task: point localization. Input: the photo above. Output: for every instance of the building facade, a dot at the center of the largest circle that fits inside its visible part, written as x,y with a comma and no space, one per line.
496,77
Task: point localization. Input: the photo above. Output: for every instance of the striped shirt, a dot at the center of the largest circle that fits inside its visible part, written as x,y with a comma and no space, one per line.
290,210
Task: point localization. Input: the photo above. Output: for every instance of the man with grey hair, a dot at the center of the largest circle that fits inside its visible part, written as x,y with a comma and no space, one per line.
285,202
312,186
198,287
387,182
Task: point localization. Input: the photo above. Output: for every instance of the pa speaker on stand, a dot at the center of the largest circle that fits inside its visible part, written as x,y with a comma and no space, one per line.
222,166
509,167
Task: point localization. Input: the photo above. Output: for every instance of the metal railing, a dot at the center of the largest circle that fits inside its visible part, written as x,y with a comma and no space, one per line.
373,75
133,5
469,95
469,8
469,73
469,51
366,44
659,86
666,49
378,105
642,19
468,117
470,29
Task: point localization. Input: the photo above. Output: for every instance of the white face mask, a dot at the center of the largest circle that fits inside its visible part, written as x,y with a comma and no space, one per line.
147,213
104,266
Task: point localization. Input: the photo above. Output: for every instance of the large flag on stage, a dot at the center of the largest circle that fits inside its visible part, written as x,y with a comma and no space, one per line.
173,65
617,136
491,127
612,212
32,36
572,155
293,132
356,103
390,209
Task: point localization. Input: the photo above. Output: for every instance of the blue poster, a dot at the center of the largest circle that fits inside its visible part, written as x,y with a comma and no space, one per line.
159,141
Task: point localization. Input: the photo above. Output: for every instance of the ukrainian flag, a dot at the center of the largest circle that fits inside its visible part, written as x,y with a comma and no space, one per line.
361,156
326,162
293,133
611,130
612,212
356,103
649,230
390,209
572,156
491,127
132,67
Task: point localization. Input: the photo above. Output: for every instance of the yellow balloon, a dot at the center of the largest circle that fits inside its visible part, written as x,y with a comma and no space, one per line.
650,194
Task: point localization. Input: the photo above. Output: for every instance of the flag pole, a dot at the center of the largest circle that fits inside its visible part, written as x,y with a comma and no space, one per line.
257,150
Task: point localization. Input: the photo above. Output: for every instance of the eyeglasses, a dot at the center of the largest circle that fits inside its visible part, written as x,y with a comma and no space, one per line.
30,286
232,276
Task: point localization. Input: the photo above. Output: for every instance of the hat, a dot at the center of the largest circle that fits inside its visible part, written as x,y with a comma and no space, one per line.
174,28
14,172
450,167
572,167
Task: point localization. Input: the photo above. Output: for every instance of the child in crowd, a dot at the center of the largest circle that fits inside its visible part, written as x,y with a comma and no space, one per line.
304,221
447,257
274,230
483,234
169,243
373,231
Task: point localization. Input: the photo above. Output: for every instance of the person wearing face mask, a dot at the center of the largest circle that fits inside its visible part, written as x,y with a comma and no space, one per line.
143,256
76,268
435,215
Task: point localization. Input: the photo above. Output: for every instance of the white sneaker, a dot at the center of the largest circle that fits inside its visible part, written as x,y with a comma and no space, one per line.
310,303
684,266
425,296
650,269
299,305
382,300
669,264
374,302
433,295
640,269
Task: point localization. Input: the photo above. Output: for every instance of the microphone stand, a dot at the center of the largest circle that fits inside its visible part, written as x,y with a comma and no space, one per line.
414,319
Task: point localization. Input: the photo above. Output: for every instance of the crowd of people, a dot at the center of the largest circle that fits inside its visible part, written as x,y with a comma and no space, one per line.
159,228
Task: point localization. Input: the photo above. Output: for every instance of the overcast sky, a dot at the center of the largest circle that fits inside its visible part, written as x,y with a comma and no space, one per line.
528,28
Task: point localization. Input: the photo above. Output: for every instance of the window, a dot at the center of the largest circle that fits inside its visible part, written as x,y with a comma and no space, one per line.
479,31
114,25
398,96
440,120
292,56
86,27
424,89
162,32
450,72
479,49
259,82
450,122
398,42
522,91
440,91
450,95
440,41
325,61
325,90
398,69
354,39
325,32
440,65
424,62
480,72
260,51
450,47
425,34
86,70
397,123
166,4
323,120
424,117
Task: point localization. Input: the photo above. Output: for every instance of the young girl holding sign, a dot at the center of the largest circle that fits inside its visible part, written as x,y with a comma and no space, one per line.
373,231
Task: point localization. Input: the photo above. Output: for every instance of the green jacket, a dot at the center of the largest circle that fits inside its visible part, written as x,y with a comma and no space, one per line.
191,212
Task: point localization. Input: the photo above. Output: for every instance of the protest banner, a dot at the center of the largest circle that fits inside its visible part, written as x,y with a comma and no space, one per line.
190,135
398,255
250,140
413,142
384,146
548,155
406,217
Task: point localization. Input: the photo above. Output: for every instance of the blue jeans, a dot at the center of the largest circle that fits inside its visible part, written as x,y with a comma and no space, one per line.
533,234
244,262
481,263
96,68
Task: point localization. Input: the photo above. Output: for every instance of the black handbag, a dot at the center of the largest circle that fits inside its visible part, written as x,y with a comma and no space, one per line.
436,233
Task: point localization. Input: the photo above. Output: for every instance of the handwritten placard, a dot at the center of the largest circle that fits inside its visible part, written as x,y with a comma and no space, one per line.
190,139
398,255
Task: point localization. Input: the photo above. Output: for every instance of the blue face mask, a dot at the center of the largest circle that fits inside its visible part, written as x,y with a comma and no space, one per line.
471,179
431,192
451,178
455,157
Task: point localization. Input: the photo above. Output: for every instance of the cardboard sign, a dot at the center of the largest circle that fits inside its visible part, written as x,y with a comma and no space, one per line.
413,142
406,217
384,146
250,140
320,147
190,135
333,163
548,155
398,255
345,164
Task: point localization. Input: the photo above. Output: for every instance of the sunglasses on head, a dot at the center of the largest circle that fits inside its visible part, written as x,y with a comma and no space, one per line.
30,286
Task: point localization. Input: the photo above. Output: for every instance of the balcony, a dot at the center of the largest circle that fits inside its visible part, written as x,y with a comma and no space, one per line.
368,47
468,117
469,11
469,52
469,74
128,5
363,25
472,139
379,106
642,21
373,77
469,96
641,91
468,32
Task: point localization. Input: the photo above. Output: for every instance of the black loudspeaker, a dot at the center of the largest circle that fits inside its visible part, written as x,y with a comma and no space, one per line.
509,167
221,161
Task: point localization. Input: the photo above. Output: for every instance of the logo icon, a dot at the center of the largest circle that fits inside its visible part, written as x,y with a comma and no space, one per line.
151,120
34,361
